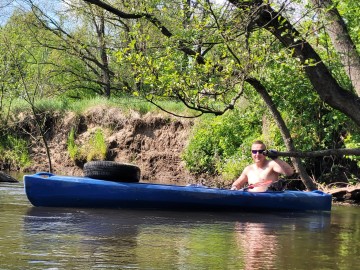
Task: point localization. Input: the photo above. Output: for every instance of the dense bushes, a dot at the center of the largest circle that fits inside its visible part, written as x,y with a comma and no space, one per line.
93,149
220,145
14,153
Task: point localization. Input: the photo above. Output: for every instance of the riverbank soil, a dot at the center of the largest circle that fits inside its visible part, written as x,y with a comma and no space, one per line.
152,142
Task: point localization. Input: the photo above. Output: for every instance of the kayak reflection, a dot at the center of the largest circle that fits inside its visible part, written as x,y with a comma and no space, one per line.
110,221
150,239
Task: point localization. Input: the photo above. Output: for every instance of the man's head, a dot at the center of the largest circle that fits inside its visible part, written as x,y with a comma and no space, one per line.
257,151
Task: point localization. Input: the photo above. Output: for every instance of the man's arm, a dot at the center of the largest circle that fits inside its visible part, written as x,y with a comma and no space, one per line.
241,181
282,167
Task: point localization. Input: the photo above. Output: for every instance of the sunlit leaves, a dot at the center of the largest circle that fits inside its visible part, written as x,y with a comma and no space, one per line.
218,140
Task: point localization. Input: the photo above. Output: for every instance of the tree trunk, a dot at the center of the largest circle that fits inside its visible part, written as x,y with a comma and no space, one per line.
341,40
105,74
300,169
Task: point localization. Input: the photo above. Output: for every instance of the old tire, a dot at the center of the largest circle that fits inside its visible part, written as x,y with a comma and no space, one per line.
113,171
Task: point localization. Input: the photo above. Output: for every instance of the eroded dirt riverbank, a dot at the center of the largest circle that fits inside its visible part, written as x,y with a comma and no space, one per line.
152,142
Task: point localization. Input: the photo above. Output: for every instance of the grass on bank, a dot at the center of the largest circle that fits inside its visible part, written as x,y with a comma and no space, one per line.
125,104
93,149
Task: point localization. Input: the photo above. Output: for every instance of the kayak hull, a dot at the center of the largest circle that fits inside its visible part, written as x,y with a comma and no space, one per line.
48,190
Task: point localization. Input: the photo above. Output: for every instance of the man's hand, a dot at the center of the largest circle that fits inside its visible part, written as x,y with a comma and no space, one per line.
271,154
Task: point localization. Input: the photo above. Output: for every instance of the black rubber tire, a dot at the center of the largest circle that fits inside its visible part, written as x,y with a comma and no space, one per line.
113,171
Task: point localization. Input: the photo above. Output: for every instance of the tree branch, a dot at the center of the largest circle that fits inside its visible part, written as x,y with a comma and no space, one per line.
322,153
151,18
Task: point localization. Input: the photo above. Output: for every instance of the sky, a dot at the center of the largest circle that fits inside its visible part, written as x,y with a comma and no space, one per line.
7,7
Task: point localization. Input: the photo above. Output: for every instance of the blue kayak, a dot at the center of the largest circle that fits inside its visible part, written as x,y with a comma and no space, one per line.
49,190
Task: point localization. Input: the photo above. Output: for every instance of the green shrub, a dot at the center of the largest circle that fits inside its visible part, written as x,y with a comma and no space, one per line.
73,149
14,152
353,141
96,147
220,145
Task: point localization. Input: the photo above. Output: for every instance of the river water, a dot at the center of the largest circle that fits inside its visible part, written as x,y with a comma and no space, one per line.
63,238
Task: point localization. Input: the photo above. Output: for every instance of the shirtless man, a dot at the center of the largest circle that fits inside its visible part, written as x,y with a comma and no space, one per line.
262,170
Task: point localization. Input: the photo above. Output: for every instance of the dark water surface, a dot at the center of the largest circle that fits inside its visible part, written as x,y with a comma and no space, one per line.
63,238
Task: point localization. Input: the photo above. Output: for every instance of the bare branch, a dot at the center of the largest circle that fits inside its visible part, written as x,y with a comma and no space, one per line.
322,153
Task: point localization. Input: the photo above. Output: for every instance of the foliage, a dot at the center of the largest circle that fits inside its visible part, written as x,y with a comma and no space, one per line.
353,141
221,144
126,104
14,152
313,124
73,149
95,148
162,70
350,10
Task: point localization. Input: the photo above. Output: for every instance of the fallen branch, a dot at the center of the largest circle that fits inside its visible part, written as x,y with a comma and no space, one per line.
322,153
345,194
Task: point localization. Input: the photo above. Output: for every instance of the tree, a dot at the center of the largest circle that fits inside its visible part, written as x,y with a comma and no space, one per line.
264,16
85,36
31,76
255,15
89,67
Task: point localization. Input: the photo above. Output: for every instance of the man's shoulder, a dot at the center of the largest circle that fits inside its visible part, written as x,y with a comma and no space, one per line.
250,167
254,167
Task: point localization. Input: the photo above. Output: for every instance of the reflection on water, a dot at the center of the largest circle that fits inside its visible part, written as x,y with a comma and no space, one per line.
155,239
62,238
257,242
258,238
92,237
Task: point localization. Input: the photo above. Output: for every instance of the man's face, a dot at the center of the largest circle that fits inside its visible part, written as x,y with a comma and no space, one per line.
257,152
